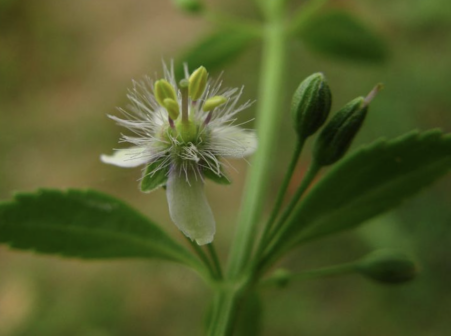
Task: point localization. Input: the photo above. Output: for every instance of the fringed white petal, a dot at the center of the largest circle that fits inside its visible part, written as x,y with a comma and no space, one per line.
233,142
127,158
189,208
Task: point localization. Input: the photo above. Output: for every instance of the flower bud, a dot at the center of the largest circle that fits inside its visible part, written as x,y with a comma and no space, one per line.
197,83
337,136
163,89
311,104
173,108
335,139
388,266
281,277
214,102
189,6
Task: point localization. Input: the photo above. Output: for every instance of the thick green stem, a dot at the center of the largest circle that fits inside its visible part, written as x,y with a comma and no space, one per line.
268,122
224,312
228,299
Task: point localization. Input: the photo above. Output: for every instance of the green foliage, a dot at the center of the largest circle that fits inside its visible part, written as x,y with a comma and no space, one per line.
85,224
215,50
151,181
340,35
189,6
223,179
369,182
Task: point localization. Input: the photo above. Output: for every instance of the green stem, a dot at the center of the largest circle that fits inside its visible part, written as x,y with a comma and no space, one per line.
306,181
268,122
280,197
202,257
287,277
224,313
279,230
214,257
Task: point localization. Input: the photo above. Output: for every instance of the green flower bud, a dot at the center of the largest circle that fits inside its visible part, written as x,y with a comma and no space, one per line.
197,83
281,277
173,108
163,89
189,6
337,136
311,104
213,102
388,266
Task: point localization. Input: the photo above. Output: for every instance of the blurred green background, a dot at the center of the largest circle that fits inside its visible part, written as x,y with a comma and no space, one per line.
65,65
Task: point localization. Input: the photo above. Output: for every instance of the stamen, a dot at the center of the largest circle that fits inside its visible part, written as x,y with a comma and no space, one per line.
208,118
184,89
171,122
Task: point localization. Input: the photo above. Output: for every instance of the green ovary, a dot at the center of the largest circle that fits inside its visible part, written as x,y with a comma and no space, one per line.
187,131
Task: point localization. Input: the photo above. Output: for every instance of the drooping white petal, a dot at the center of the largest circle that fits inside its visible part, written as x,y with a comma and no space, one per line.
127,158
189,208
233,142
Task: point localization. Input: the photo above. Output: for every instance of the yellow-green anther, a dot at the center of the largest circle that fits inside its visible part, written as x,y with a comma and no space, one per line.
173,108
214,102
197,83
163,90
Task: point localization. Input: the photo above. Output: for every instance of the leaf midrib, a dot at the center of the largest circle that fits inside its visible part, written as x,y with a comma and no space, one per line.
95,231
336,210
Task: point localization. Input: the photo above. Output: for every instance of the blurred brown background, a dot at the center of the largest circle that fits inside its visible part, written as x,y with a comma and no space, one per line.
65,65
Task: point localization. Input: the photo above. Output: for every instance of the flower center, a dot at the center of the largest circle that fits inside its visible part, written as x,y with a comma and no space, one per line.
186,131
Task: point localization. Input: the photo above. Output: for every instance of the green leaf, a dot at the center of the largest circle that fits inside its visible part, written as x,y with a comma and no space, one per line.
371,181
340,35
223,179
84,224
214,51
153,177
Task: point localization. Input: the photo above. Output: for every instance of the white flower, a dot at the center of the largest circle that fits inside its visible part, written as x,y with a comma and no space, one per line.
181,132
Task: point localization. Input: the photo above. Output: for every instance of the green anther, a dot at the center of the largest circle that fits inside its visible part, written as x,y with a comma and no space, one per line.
197,83
213,102
163,90
173,108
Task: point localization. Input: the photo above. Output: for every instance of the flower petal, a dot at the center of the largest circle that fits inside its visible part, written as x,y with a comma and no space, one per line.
189,208
233,142
127,158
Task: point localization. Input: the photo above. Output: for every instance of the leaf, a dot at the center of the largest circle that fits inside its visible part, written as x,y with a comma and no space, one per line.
215,50
340,35
223,179
371,181
85,224
154,177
